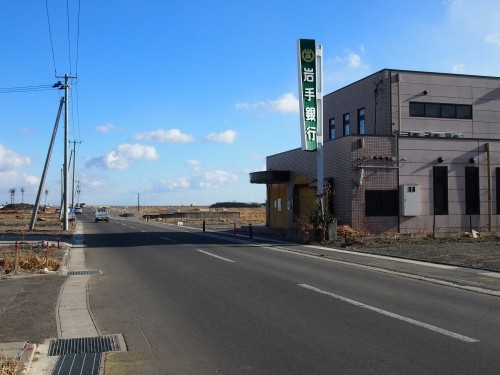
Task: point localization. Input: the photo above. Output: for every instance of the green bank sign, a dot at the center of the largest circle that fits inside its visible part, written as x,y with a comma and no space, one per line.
307,94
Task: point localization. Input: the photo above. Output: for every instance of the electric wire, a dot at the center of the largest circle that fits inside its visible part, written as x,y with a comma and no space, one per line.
10,90
69,35
50,35
78,39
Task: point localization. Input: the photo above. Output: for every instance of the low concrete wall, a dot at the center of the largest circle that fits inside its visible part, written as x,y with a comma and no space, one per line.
197,216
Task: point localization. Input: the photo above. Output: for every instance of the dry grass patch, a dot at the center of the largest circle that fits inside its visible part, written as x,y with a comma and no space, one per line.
8,366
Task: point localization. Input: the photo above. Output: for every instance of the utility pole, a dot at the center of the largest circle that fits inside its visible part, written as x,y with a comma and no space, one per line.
65,169
45,169
73,184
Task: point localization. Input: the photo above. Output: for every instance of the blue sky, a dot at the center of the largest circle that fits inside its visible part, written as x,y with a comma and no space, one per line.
179,101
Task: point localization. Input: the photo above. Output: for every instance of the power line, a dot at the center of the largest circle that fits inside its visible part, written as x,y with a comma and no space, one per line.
10,90
50,35
78,39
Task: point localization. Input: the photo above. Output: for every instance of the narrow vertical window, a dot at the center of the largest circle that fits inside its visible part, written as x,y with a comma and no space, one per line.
347,124
440,185
332,128
361,121
472,191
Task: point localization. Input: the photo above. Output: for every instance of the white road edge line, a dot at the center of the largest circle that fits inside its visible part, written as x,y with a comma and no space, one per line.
167,239
216,256
392,315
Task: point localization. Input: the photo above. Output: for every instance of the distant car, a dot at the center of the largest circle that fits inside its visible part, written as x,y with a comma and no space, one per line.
78,210
102,214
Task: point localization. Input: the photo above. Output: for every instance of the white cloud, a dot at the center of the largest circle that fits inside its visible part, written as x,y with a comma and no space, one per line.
214,179
121,157
26,132
12,179
493,38
160,135
458,68
107,128
349,60
286,103
228,136
354,60
31,180
12,160
206,180
194,164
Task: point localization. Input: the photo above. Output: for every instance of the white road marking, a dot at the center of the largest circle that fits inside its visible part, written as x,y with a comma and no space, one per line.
392,315
215,256
167,239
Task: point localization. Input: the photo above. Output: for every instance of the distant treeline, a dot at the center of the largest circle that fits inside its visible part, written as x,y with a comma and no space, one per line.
236,205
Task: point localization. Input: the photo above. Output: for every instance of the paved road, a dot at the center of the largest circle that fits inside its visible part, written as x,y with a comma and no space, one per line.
196,304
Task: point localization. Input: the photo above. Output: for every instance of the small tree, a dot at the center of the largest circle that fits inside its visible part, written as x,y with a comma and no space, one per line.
12,192
321,217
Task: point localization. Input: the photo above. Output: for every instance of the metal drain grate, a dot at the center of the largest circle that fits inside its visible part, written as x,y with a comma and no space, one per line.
78,364
100,344
84,273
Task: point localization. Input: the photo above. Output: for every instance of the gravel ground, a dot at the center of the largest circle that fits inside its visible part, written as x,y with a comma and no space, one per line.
481,253
27,308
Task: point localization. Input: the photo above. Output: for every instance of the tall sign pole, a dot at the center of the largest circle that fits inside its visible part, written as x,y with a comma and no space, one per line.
311,105
307,94
319,116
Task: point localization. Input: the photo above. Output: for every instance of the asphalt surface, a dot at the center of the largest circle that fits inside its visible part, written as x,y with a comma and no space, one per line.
191,303
142,284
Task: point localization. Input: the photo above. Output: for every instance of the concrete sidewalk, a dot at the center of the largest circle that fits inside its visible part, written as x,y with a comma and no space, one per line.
73,316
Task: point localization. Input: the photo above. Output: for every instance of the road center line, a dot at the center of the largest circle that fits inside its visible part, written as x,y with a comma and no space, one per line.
392,315
215,256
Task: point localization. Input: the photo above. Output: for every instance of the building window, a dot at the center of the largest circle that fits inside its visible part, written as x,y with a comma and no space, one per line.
361,121
472,200
332,128
440,184
347,124
440,110
381,202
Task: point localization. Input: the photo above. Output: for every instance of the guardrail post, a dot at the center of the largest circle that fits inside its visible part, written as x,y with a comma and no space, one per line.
234,230
203,226
250,231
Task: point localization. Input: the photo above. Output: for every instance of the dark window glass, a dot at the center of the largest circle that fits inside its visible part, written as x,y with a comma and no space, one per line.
361,121
472,191
440,110
440,183
381,202
347,124
464,111
332,128
417,109
448,111
432,110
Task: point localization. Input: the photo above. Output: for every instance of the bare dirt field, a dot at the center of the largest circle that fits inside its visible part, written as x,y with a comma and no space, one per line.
31,251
